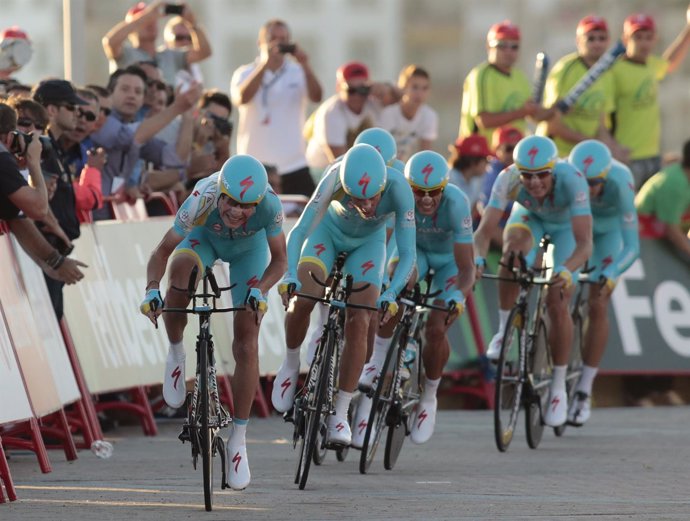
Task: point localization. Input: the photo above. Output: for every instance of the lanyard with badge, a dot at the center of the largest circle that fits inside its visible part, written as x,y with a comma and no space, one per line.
265,87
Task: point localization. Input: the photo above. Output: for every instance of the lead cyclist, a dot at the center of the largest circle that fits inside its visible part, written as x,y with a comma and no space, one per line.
347,213
616,246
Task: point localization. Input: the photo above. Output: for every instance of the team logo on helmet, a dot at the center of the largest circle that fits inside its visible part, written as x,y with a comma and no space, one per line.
246,184
364,182
532,153
427,170
587,162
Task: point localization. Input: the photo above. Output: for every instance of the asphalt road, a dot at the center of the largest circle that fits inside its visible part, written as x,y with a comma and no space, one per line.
625,464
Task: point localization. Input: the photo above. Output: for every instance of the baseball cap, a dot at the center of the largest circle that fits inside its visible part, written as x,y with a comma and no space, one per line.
57,91
505,134
591,23
505,30
473,146
135,10
351,71
637,22
14,32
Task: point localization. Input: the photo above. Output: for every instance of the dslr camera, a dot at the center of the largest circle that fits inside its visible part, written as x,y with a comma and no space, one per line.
287,48
16,145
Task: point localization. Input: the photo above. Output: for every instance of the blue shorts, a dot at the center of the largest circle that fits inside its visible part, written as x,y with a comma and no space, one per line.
561,234
607,246
366,255
445,272
248,257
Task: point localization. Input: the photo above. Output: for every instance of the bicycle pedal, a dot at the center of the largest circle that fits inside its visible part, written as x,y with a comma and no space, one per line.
336,446
365,389
289,415
184,435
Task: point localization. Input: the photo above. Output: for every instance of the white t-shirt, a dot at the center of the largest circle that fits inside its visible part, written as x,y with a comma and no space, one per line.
333,122
408,132
270,125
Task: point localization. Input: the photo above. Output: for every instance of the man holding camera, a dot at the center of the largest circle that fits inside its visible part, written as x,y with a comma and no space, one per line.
272,94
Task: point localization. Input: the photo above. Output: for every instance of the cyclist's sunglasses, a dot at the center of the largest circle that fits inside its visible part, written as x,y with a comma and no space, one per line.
596,181
528,176
420,192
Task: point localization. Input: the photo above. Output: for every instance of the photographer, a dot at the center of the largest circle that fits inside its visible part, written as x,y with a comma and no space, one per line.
17,196
212,131
271,94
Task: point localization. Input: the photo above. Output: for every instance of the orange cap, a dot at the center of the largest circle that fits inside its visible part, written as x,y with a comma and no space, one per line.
505,30
638,22
591,23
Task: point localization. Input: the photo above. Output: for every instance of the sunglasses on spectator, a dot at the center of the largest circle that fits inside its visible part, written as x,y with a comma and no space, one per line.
106,111
68,106
87,115
528,176
28,122
594,38
506,45
509,148
183,38
362,90
420,192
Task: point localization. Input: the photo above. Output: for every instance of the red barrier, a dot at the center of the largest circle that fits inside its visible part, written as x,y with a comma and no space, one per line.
139,406
5,478
13,437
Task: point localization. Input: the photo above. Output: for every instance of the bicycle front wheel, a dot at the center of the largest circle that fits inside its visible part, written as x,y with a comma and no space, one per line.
509,380
539,366
206,430
575,363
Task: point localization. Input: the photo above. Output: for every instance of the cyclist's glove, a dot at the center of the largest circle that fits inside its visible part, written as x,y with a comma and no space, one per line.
564,273
153,301
290,284
480,262
387,302
256,300
456,302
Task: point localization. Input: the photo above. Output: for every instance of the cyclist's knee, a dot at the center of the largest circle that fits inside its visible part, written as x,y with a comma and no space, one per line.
358,318
245,349
301,307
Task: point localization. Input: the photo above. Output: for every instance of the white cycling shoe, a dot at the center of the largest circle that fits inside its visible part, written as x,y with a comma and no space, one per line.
338,432
238,466
556,409
424,421
580,410
361,421
368,377
493,352
284,387
174,387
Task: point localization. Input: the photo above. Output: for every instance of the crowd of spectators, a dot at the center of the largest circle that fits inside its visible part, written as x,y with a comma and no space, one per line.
151,130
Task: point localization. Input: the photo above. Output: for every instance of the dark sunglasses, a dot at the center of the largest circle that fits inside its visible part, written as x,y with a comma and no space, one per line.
509,148
596,181
68,106
420,192
362,90
593,38
28,122
106,111
236,204
183,38
87,115
538,175
506,45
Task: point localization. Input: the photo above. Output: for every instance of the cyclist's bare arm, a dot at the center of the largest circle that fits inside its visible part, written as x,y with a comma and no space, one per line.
155,269
464,259
277,266
482,237
582,231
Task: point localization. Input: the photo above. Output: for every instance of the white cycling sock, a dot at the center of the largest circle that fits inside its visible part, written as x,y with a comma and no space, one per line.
430,389
239,432
558,378
320,317
342,404
587,379
378,356
503,319
292,358
177,350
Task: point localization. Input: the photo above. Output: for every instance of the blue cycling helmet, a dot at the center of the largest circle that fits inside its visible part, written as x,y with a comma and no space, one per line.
243,179
535,154
427,170
398,165
592,158
362,172
381,140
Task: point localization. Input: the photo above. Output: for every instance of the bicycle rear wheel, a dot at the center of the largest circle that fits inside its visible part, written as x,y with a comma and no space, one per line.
314,414
509,380
539,367
206,430
381,403
575,362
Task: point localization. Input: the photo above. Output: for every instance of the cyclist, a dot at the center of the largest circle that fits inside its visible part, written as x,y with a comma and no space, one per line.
616,246
444,244
552,197
348,212
233,216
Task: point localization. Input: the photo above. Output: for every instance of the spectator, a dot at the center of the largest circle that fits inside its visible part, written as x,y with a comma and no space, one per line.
17,196
15,51
140,26
104,102
125,140
495,93
177,34
663,200
468,160
636,79
503,143
587,119
212,131
339,120
271,94
413,123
